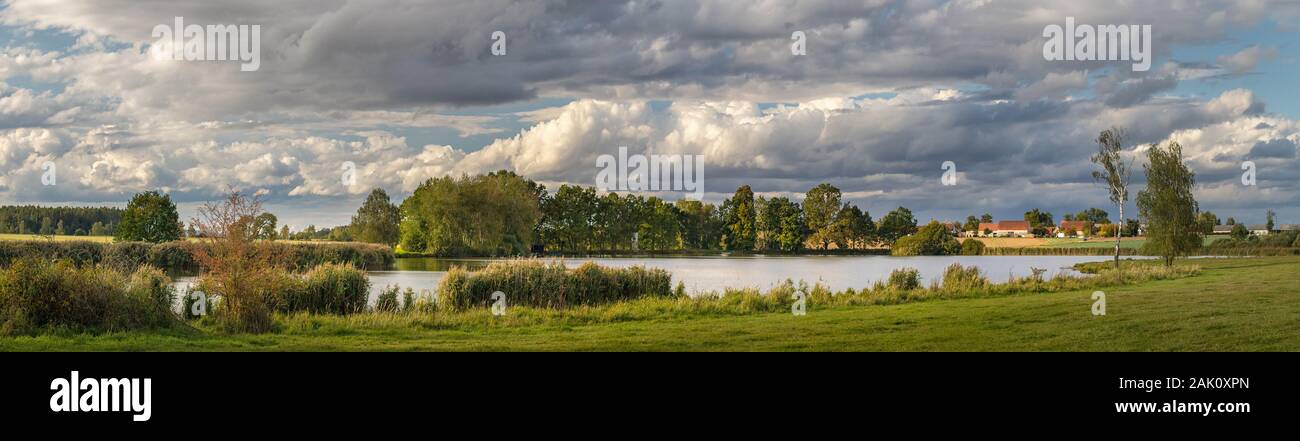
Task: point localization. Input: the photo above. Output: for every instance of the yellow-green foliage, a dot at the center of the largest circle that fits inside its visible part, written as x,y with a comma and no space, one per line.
326,289
958,278
37,294
904,279
330,288
972,247
550,285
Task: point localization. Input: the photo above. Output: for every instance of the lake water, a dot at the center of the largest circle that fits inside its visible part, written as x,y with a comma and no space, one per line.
713,273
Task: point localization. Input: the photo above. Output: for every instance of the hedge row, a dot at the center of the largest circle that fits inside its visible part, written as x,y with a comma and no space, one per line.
1057,251
176,256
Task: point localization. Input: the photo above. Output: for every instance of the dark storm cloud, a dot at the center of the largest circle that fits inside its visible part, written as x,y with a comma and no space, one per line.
969,82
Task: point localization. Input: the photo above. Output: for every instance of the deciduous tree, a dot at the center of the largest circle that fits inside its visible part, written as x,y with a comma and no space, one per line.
1167,204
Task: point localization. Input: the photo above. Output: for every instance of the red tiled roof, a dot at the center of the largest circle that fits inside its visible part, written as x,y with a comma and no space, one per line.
1076,225
988,226
1012,226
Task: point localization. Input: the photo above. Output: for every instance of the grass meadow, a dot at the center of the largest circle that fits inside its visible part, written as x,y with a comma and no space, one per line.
1231,304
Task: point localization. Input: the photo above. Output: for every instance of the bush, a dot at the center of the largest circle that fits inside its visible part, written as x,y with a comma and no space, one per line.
550,285
931,240
37,294
408,299
326,289
905,279
1240,232
359,255
1282,243
972,247
172,256
80,253
387,300
330,288
958,278
255,295
190,299
424,303
127,256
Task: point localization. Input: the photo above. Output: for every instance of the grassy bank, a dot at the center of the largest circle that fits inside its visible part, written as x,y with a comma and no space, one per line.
1232,304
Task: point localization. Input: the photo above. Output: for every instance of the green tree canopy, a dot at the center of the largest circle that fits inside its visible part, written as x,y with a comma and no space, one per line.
487,215
701,224
1206,221
931,240
1240,232
264,226
896,224
377,220
1038,218
853,228
150,217
1095,215
1167,204
741,220
820,205
568,218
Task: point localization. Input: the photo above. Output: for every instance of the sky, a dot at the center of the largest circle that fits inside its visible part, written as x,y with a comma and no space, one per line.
884,94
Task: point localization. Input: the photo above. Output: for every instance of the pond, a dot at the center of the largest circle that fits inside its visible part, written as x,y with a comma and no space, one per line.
713,273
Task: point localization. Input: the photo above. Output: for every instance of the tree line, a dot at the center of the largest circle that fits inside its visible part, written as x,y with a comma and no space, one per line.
502,213
70,221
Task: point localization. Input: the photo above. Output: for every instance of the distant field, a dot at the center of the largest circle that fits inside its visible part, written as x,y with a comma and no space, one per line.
1127,242
1012,242
1031,242
103,239
1134,243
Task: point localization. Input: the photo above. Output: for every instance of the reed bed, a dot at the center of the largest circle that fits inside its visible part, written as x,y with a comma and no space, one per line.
1056,251
903,286
326,289
535,283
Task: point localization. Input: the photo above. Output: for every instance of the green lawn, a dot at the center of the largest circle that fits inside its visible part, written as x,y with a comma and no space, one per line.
1246,304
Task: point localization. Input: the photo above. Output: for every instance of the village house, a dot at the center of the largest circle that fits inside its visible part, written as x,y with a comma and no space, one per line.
1004,229
1080,228
953,228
